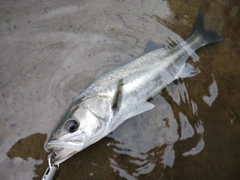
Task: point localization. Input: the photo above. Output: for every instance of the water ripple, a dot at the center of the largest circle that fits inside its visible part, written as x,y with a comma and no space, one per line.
151,136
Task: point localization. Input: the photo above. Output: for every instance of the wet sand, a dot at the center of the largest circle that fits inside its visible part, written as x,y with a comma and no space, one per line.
50,51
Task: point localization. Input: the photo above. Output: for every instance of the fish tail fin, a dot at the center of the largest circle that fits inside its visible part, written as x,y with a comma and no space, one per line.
208,36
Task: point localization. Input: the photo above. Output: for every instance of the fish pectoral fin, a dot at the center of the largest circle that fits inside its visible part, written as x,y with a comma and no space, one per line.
117,96
140,109
188,71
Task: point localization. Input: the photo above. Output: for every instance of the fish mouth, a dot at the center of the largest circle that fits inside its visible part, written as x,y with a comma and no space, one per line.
61,154
62,150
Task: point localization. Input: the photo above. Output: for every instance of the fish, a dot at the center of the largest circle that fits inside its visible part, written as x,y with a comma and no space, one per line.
124,92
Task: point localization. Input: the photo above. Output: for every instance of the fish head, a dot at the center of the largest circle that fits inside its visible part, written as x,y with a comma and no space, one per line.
86,125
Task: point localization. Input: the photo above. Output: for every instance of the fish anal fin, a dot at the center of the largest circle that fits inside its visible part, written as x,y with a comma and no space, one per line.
188,71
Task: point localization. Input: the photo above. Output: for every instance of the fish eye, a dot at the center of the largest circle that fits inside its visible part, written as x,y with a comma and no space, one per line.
71,125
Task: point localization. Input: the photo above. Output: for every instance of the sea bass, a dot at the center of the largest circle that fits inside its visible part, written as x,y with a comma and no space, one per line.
124,92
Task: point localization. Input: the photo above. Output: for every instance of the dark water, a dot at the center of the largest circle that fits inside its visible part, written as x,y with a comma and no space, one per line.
51,50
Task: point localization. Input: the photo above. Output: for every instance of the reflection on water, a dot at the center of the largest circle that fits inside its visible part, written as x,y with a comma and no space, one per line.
50,51
213,91
150,137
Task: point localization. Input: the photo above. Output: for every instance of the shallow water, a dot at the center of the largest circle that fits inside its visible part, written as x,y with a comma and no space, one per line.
51,50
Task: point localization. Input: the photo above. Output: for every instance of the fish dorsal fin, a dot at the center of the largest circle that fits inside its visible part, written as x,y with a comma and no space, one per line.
151,46
140,109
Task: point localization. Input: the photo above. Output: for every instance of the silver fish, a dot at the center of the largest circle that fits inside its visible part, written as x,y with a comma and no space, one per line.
124,92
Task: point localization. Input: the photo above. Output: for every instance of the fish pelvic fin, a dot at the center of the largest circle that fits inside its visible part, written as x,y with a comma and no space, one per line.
146,106
208,36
